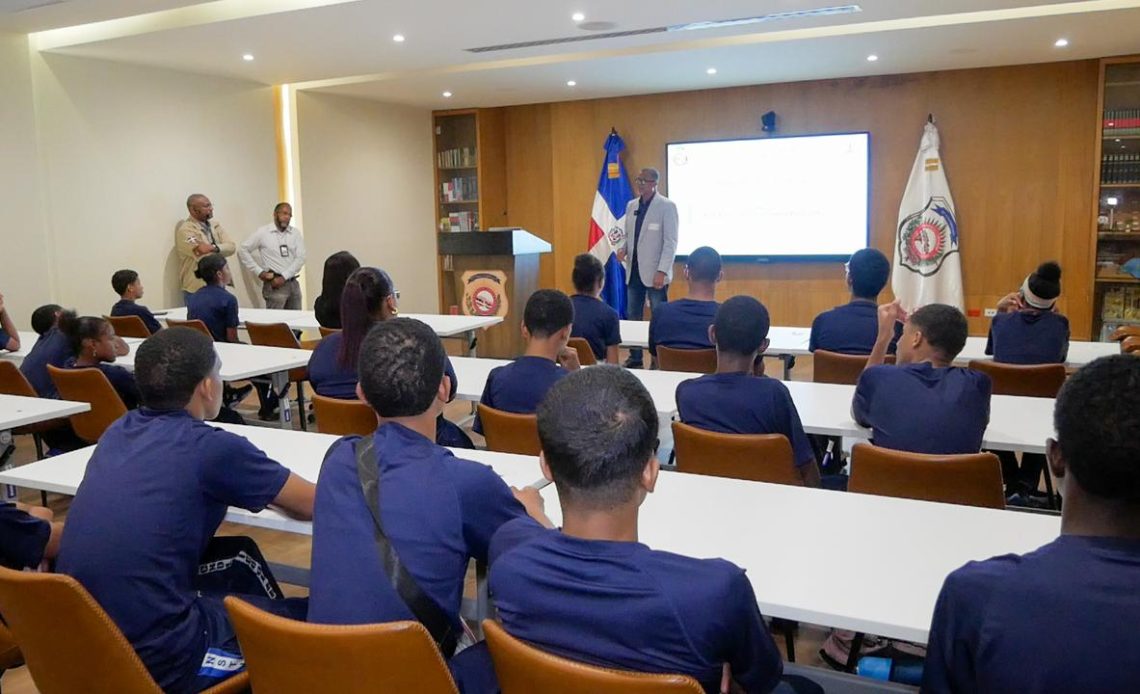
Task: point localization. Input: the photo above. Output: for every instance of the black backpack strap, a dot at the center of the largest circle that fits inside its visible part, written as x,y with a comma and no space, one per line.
426,610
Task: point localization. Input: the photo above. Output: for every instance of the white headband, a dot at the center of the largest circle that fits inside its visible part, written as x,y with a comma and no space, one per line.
1034,300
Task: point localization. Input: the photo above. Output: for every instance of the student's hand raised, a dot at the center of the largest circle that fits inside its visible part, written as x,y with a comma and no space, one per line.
889,314
1011,302
568,358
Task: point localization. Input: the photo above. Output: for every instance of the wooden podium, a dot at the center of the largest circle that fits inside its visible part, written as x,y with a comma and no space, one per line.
493,273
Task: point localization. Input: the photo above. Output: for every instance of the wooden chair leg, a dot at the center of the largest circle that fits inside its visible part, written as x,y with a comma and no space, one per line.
788,627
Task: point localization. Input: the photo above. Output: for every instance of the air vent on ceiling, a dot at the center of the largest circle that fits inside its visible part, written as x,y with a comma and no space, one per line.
692,26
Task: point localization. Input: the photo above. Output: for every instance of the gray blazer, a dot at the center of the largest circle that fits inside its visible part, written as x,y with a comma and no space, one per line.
658,241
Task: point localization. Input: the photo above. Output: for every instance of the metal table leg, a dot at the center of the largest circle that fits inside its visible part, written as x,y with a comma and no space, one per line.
279,382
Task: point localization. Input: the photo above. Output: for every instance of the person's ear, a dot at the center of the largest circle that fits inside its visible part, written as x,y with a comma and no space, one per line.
1055,460
544,466
649,474
712,335
360,393
686,272
524,331
444,389
393,308
564,333
764,346
720,276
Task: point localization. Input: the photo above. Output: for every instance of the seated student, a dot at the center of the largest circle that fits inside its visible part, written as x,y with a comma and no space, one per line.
51,347
28,537
94,345
736,400
1027,328
594,320
9,336
590,591
128,286
923,405
853,327
143,520
338,267
369,297
684,323
1061,618
519,386
438,511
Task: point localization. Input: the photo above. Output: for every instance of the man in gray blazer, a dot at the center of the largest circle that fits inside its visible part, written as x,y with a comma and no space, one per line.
649,246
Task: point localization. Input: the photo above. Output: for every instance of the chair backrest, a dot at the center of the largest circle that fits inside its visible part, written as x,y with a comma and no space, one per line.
10,655
128,326
285,656
524,669
756,457
972,479
325,332
343,417
13,381
1130,344
508,432
91,386
698,361
272,335
585,353
1035,380
195,324
844,369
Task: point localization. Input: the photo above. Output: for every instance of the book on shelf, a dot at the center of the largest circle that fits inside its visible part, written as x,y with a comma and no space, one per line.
456,158
1120,168
1124,121
462,221
459,189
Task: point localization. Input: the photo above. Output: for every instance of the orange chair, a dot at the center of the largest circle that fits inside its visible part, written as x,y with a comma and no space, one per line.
69,642
508,432
325,332
343,417
582,347
285,656
194,324
128,326
697,361
13,382
10,655
91,386
524,669
756,457
1034,381
843,369
279,335
972,479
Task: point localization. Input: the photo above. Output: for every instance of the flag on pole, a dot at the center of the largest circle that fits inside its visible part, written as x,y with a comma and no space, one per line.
607,221
928,266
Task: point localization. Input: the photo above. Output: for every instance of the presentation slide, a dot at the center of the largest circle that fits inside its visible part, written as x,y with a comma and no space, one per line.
776,198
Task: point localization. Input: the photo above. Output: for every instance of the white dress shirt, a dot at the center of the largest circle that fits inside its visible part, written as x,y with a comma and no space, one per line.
271,249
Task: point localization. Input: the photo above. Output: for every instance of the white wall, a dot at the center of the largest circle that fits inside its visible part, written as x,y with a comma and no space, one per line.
367,187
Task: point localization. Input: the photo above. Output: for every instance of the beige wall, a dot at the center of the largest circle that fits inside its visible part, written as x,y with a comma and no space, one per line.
366,184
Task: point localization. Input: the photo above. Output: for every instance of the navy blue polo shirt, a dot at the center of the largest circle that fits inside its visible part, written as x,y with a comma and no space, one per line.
596,322
127,307
156,489
1029,337
53,348
122,381
849,329
923,409
519,386
626,606
4,337
740,403
1059,619
215,307
332,380
682,324
22,538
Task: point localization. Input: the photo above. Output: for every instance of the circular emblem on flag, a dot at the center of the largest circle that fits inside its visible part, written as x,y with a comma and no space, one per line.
927,237
484,293
616,235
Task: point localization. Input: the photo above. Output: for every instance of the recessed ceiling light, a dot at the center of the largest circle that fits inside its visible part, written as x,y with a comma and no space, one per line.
1061,43
711,71
872,58
571,83
447,95
398,38
247,57
578,17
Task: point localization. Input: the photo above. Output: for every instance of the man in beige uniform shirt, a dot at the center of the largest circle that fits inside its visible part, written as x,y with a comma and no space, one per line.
196,237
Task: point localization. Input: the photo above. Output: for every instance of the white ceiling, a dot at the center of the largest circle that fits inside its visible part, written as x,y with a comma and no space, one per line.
345,46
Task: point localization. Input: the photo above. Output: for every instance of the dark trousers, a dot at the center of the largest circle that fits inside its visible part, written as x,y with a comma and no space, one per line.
636,292
1023,478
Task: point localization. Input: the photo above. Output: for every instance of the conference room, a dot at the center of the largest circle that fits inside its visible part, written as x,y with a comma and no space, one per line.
558,197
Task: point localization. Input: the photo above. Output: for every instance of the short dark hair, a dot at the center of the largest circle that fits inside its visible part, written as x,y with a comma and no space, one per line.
1097,418
44,317
547,311
741,324
123,279
704,264
209,266
587,272
944,328
869,270
170,364
278,206
598,428
79,328
401,366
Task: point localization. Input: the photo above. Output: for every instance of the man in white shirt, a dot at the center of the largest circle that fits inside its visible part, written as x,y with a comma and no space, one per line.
276,253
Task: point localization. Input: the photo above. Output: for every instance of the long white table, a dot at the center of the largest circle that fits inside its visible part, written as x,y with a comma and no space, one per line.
1016,423
884,582
1080,352
784,343
18,411
444,325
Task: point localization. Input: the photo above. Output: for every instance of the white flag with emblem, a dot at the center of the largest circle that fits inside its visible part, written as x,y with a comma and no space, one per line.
928,266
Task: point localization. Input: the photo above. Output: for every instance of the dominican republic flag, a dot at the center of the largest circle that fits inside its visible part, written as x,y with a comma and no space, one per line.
928,266
607,222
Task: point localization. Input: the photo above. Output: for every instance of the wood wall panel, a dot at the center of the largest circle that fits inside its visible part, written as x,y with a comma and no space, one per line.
1017,144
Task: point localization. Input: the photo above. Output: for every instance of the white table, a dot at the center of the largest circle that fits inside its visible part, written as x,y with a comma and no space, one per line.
28,340
784,343
444,325
1080,352
17,411
882,581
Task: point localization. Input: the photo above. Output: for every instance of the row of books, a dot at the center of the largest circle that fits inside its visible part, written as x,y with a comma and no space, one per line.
1121,304
1120,168
460,188
460,221
451,158
1122,122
